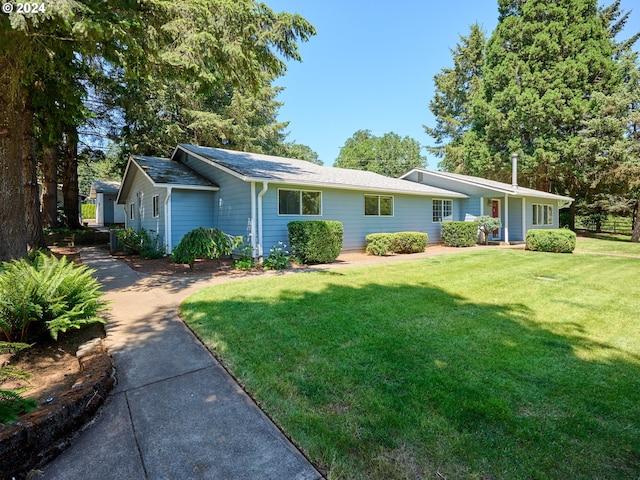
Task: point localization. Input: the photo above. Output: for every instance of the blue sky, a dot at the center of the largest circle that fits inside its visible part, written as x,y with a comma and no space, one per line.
371,66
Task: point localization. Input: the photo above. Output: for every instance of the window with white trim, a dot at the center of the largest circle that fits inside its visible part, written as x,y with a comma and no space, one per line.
299,202
156,206
132,211
542,214
378,205
442,210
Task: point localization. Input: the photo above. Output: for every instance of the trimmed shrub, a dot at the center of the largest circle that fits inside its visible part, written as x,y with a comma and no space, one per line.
459,234
408,242
140,242
487,225
315,241
378,243
399,242
46,295
208,243
560,240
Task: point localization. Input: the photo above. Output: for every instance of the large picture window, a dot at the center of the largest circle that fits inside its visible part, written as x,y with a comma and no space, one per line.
378,205
299,202
542,214
442,210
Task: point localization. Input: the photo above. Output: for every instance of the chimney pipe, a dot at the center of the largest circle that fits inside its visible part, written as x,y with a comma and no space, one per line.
514,171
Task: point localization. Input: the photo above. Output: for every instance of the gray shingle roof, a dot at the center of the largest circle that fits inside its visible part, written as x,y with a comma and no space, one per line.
104,186
259,167
165,171
493,185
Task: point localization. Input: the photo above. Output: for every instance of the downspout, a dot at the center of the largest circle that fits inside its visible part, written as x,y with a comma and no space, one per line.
265,187
167,220
254,244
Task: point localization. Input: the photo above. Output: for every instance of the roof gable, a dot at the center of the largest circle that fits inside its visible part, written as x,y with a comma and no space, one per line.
254,167
103,186
162,172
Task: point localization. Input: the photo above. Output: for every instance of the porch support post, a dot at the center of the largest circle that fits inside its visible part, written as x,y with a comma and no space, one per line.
524,219
506,218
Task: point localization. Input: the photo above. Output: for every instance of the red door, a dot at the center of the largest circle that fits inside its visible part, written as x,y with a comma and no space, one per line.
495,213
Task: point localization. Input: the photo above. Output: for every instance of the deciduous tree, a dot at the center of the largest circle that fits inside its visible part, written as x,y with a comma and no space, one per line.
390,155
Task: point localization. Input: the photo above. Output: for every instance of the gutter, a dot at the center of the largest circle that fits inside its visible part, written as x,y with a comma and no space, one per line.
265,188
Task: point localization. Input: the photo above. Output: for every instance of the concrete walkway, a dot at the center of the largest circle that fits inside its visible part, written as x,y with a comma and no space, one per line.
175,413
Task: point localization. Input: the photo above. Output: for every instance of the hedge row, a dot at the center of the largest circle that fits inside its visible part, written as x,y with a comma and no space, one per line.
460,234
315,241
556,240
399,242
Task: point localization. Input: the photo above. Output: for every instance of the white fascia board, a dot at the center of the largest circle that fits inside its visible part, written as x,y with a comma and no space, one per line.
180,186
126,171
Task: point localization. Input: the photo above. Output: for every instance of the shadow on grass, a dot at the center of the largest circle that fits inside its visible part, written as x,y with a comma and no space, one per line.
612,237
409,381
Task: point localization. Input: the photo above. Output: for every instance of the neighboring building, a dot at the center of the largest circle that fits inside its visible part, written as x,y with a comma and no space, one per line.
256,196
519,208
104,193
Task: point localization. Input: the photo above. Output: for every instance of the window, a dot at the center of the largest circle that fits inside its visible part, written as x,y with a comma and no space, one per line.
299,202
542,214
378,205
156,206
442,210
132,211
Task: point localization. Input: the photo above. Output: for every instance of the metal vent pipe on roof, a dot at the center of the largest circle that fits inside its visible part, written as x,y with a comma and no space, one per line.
514,171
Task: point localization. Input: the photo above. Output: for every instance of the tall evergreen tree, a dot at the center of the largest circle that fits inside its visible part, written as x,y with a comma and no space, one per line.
544,62
451,104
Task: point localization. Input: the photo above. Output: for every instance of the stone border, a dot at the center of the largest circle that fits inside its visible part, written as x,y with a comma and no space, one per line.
39,436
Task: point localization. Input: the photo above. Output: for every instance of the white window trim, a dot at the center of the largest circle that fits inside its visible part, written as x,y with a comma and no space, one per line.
155,206
538,211
443,218
132,211
393,205
298,214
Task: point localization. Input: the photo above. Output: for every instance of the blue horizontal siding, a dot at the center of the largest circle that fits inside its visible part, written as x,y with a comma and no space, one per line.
411,213
190,209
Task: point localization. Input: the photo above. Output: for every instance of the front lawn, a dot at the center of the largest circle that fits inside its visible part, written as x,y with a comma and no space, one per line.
486,364
607,243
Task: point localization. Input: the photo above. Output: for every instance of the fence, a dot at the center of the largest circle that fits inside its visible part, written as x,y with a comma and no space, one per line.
601,223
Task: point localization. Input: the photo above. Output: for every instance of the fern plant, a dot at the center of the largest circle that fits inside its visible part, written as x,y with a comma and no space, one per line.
49,294
12,404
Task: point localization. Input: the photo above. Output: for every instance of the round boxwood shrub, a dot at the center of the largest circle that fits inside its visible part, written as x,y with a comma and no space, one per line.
378,243
459,234
554,240
315,241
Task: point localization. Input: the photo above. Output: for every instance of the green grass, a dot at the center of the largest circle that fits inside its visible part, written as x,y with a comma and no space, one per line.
487,364
608,243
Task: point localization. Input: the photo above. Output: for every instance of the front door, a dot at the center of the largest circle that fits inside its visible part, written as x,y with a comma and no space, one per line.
495,213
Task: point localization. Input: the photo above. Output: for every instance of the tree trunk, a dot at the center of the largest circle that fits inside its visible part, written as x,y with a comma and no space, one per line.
13,235
33,220
50,187
572,209
70,188
635,235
